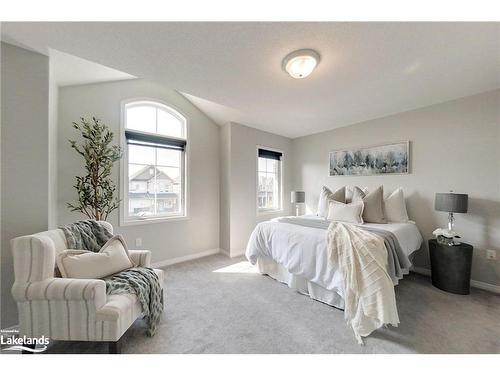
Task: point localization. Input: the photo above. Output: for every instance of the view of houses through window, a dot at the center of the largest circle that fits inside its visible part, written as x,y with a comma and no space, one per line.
154,189
155,161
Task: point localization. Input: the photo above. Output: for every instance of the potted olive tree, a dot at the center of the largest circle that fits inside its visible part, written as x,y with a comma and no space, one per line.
96,190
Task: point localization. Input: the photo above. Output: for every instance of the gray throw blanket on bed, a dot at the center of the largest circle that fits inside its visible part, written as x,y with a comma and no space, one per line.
142,281
397,261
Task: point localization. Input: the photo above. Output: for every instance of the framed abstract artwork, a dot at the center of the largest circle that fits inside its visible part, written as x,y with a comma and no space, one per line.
391,158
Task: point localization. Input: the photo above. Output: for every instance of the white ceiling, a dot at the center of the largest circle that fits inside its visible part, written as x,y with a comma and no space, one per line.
232,71
67,69
72,70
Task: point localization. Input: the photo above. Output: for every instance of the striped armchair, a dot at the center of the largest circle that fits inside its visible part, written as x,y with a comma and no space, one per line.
63,308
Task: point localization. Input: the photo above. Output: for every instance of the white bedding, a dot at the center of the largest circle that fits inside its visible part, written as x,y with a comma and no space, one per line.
302,250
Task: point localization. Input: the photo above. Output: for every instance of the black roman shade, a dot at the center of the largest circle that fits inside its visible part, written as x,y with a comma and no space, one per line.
268,154
158,141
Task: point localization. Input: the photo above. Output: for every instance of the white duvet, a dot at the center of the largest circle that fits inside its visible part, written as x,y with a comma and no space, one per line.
303,250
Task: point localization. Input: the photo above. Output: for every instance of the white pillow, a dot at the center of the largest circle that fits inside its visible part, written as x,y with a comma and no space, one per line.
83,264
350,213
395,207
325,196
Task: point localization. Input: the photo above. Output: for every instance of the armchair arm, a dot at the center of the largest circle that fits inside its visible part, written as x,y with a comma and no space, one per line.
140,257
62,289
34,258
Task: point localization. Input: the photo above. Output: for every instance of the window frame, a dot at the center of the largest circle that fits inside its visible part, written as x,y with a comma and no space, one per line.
125,219
269,211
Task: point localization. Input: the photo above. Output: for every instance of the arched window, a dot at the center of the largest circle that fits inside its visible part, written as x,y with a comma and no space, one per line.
155,162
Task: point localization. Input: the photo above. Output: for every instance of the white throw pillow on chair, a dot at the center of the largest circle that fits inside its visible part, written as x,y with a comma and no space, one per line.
82,264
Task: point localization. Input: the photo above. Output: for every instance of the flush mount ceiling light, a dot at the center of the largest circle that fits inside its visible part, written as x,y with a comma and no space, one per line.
299,64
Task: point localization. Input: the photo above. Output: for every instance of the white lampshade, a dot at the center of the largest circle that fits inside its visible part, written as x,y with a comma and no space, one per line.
299,64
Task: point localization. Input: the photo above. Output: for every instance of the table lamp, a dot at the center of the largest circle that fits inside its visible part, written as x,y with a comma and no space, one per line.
298,197
452,203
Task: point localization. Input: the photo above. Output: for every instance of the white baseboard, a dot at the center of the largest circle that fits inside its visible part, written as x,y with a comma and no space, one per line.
239,253
168,262
474,283
233,255
485,286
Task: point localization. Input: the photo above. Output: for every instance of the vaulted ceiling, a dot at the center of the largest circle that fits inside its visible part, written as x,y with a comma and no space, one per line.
70,70
232,71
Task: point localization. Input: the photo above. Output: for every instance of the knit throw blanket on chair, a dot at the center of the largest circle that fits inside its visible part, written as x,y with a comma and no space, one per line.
86,235
142,281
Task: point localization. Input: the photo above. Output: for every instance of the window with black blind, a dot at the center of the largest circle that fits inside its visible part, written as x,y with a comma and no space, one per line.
269,174
155,166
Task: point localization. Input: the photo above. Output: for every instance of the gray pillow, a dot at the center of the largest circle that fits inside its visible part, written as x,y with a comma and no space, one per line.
349,190
374,209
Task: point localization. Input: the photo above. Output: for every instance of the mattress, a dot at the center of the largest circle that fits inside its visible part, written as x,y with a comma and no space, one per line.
301,251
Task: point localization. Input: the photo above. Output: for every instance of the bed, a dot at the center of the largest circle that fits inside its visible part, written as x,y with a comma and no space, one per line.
296,254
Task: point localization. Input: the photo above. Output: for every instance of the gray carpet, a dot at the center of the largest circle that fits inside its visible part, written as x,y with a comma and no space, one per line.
241,312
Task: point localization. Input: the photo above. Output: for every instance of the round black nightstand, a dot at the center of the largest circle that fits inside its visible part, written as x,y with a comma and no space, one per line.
450,267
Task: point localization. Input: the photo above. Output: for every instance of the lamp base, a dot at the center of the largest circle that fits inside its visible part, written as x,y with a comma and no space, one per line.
451,221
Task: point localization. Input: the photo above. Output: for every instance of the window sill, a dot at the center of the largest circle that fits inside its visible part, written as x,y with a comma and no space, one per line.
153,220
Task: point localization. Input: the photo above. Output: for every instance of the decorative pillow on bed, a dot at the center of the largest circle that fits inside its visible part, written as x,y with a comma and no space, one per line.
83,264
395,207
349,213
325,196
374,209
349,191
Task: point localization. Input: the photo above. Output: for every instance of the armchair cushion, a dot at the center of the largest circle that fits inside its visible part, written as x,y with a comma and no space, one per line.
82,264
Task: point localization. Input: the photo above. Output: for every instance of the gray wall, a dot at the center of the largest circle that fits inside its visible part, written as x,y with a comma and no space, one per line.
166,240
454,145
225,188
52,135
241,182
24,147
